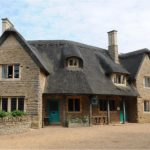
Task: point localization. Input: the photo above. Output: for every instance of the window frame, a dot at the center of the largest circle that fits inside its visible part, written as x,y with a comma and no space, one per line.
73,59
74,98
105,102
119,79
147,77
5,76
148,106
9,103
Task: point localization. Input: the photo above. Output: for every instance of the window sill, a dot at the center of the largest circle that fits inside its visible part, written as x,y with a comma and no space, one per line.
124,85
10,79
148,88
147,112
73,68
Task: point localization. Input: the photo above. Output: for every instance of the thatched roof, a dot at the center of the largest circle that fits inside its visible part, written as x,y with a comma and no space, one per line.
132,61
92,79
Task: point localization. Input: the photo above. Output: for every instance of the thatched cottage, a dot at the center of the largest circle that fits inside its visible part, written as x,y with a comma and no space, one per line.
58,82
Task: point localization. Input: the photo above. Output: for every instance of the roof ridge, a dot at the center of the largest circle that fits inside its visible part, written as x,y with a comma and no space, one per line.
133,53
64,42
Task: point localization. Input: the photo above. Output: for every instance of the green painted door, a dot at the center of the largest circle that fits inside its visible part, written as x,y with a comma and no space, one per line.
122,117
53,112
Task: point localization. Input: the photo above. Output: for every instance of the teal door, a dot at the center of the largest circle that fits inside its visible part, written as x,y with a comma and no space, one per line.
53,112
121,116
122,112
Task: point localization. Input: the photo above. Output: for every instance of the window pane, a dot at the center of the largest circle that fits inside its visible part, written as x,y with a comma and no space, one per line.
16,71
112,105
5,104
4,71
77,105
147,81
70,105
13,104
10,71
21,104
103,105
75,62
146,106
70,62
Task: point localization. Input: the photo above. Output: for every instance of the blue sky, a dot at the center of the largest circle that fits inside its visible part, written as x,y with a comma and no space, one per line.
85,21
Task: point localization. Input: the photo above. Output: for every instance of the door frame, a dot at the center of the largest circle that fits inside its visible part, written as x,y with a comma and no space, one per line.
48,108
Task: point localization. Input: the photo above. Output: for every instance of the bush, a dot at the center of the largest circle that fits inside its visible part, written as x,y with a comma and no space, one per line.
16,113
3,114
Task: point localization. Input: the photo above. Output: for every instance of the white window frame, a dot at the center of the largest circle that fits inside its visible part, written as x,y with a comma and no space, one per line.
123,79
13,75
148,106
146,77
9,103
73,66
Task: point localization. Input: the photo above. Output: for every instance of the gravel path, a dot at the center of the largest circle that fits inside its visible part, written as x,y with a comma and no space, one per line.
128,136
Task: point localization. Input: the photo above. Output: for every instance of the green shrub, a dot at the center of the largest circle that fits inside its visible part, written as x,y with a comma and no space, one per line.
3,114
16,113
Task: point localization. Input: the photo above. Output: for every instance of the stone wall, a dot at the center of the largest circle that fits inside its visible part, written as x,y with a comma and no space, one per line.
14,125
143,91
28,85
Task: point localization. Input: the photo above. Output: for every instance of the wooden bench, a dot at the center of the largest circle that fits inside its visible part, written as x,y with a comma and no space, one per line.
97,120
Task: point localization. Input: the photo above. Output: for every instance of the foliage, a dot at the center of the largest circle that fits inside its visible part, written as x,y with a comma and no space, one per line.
3,114
15,113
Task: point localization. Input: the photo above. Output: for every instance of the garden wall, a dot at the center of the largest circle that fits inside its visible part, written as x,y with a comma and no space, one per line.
13,125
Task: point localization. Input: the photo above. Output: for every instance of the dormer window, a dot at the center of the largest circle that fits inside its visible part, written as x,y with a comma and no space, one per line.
73,63
119,79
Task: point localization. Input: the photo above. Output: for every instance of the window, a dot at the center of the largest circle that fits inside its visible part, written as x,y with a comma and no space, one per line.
112,105
21,104
119,79
12,103
10,71
103,105
73,63
4,104
147,106
74,105
147,81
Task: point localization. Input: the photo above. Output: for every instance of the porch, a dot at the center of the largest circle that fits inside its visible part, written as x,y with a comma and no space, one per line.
88,110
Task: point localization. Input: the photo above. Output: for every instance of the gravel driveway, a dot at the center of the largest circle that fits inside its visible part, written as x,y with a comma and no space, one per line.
128,136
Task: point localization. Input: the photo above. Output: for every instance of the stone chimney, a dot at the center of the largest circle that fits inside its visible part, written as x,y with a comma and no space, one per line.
6,24
112,46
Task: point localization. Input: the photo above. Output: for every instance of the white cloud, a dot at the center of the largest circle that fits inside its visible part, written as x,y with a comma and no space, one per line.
86,21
